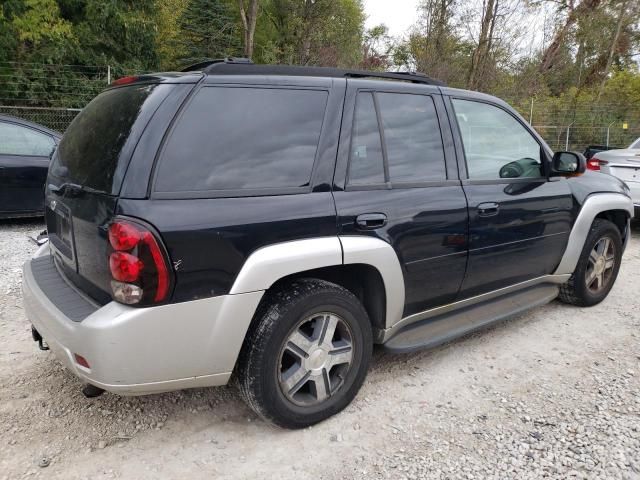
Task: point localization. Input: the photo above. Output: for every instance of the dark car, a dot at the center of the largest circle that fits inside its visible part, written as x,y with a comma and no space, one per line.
25,151
591,150
274,223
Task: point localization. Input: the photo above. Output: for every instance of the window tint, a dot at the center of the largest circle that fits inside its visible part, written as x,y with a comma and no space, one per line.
496,145
366,166
243,138
19,140
93,149
412,136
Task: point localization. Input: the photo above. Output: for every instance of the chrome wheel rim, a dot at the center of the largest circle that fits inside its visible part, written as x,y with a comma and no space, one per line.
602,260
315,359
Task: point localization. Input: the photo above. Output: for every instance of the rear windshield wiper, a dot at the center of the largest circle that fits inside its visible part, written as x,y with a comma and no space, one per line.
71,189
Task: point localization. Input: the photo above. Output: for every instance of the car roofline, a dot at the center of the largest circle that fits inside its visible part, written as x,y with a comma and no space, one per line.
27,123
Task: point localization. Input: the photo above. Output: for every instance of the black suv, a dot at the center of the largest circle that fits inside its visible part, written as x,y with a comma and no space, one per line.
272,224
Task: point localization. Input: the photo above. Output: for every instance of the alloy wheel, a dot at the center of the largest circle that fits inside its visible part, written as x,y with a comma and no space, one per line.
315,359
601,265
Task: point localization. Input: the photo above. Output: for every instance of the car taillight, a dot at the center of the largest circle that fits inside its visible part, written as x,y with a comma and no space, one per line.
594,163
138,264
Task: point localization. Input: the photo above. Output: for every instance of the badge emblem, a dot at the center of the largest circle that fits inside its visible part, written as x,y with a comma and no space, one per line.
52,205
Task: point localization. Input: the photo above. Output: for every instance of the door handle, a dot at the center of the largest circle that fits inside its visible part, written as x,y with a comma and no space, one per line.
371,221
488,209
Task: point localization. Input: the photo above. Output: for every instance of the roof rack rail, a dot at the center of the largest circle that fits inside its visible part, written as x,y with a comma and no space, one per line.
244,66
217,61
413,77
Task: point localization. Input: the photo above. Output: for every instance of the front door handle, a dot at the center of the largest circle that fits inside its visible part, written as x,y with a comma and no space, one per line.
371,221
488,209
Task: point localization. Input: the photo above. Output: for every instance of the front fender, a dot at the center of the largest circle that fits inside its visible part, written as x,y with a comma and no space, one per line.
593,205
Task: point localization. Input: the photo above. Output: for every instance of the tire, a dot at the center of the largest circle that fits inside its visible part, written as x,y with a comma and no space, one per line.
582,289
288,342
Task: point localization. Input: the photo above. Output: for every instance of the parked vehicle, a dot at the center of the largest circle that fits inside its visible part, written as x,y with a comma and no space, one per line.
25,151
624,164
274,223
591,150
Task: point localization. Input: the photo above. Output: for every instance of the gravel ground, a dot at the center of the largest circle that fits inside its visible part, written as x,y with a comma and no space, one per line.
554,393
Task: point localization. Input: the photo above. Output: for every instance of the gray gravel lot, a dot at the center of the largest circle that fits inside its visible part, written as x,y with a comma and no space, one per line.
554,393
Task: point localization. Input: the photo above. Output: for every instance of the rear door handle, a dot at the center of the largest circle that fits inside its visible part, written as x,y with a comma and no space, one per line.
371,221
488,209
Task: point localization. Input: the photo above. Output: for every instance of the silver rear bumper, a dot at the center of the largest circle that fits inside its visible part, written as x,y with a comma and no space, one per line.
135,351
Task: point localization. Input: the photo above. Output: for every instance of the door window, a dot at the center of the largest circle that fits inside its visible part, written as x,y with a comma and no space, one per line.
496,145
413,151
412,137
367,165
19,140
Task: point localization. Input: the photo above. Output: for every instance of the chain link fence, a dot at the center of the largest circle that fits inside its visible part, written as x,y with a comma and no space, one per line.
54,118
51,95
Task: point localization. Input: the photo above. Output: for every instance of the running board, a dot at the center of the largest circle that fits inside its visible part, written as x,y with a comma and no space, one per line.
435,331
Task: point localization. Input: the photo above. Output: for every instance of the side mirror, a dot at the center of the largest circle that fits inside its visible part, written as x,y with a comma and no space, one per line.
568,163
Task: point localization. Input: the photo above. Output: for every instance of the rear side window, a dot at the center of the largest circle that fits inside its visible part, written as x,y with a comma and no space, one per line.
412,135
413,151
233,138
96,148
19,140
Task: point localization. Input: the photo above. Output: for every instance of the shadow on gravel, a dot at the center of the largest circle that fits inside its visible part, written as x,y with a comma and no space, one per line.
33,222
112,416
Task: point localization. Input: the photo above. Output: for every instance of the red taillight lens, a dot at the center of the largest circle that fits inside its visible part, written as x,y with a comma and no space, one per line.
138,264
125,267
123,236
124,81
594,164
162,272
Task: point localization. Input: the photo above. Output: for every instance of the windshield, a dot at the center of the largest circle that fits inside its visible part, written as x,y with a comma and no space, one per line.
96,148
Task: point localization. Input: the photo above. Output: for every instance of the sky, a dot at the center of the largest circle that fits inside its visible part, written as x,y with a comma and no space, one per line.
398,15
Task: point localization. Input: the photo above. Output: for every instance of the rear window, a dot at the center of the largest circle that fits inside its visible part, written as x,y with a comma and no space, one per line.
96,148
234,138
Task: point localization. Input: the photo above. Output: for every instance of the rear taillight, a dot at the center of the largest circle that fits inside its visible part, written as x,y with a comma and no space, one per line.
138,264
595,163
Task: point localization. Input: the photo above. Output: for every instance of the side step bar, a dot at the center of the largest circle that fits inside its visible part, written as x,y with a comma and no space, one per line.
448,326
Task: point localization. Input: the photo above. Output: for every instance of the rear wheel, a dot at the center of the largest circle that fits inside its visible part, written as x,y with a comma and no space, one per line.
597,267
306,355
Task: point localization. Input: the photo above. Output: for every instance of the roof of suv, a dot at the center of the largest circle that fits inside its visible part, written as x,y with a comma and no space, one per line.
243,66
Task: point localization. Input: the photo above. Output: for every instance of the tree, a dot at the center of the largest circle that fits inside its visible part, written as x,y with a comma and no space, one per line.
207,30
249,18
574,12
316,32
377,49
168,40
482,52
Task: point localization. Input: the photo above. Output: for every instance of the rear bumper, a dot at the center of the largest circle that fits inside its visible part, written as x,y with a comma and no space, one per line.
135,351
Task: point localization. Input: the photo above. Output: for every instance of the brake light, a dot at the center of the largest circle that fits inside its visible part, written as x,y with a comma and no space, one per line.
123,236
138,264
595,163
125,267
124,80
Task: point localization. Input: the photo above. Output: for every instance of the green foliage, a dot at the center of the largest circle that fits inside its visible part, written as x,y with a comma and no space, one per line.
305,32
207,29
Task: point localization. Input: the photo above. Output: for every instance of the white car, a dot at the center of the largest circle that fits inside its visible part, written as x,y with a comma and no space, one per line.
624,164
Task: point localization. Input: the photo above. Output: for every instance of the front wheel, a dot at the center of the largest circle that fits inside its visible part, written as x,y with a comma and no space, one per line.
597,267
307,353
